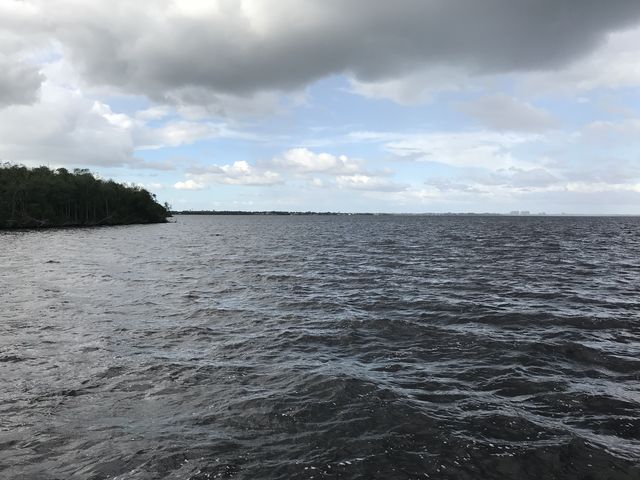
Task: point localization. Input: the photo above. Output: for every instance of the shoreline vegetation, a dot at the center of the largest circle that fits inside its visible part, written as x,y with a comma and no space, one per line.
44,198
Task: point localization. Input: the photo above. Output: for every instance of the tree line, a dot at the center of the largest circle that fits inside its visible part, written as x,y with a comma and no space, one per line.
41,197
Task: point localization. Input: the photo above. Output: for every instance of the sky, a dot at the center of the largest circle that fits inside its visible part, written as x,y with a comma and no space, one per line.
332,105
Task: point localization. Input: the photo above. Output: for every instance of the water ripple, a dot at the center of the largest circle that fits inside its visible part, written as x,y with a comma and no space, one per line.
322,347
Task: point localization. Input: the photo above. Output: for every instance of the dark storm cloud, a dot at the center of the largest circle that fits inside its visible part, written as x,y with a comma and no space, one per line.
170,49
19,83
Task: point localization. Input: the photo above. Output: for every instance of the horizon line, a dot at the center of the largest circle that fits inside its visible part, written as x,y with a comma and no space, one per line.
311,212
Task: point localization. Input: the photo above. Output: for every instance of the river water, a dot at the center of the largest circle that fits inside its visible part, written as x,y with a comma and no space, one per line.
348,347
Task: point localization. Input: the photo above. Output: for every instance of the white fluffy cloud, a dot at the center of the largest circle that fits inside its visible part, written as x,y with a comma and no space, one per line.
63,129
241,173
292,166
367,182
177,133
189,185
237,173
303,160
67,127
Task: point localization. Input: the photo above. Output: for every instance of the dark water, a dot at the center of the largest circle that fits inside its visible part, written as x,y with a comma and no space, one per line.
322,347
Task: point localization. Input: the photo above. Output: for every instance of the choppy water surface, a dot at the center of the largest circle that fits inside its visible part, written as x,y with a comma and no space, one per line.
322,347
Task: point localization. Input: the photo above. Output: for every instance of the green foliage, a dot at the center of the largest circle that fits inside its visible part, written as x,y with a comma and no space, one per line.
41,197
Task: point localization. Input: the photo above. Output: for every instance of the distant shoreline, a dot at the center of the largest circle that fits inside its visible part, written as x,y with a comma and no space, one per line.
426,214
